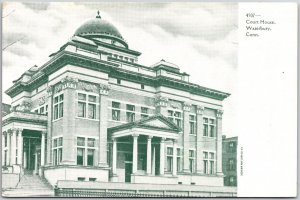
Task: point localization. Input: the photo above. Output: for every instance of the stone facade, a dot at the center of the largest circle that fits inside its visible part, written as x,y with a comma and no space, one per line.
93,114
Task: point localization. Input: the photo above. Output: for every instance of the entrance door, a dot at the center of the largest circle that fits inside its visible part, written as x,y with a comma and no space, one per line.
32,153
128,171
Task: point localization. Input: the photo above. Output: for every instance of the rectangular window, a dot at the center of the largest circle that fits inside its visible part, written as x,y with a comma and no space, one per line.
231,165
46,109
81,109
86,151
176,117
209,127
205,127
81,179
142,86
119,81
42,110
91,142
80,141
116,111
80,156
179,159
55,156
90,157
144,112
192,124
92,179
57,150
209,162
130,115
169,159
86,106
192,160
58,106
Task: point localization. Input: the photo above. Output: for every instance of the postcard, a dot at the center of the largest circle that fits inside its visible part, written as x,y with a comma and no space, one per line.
169,99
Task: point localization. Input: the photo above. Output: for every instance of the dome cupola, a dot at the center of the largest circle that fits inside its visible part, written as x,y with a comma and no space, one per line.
101,30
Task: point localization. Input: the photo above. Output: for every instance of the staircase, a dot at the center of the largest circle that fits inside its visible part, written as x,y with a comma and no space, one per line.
31,185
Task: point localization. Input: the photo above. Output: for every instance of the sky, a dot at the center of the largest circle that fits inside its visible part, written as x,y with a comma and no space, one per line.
201,38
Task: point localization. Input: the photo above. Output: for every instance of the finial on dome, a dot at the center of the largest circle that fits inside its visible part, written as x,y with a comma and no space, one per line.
98,14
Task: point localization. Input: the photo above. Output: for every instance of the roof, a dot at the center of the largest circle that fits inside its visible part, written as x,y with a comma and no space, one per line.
154,122
98,26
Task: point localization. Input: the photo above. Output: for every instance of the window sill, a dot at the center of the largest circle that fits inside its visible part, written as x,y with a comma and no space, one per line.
84,118
55,120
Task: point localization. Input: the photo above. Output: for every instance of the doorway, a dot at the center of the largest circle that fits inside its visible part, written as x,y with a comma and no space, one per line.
128,171
31,150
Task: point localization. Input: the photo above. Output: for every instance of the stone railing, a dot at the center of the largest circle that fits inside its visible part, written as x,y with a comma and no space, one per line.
109,189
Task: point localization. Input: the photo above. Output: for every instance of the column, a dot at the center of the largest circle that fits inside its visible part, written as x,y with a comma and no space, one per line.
20,147
219,142
8,148
161,104
114,161
49,127
153,161
24,160
103,106
13,147
186,137
2,149
134,153
149,154
43,149
174,170
162,157
35,163
199,148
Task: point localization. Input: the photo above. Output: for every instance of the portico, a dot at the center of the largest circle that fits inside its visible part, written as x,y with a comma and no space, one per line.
23,143
144,144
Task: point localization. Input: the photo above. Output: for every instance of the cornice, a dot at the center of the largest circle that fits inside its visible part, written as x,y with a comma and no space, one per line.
63,58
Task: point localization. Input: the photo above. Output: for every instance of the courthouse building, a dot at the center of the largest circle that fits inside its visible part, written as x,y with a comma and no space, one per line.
93,113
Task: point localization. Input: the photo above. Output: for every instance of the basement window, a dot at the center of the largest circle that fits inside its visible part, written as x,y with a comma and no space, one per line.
142,86
119,81
92,179
81,179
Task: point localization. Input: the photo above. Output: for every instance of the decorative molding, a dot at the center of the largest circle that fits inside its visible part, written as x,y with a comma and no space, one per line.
219,114
25,106
161,101
50,90
187,106
42,100
66,82
135,135
89,87
104,89
200,110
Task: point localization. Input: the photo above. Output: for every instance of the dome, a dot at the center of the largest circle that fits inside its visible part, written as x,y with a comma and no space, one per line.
99,28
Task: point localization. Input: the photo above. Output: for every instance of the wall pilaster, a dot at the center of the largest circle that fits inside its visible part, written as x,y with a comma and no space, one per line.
219,142
186,138
103,105
199,154
49,126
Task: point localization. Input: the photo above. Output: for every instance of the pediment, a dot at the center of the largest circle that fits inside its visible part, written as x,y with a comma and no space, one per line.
156,123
